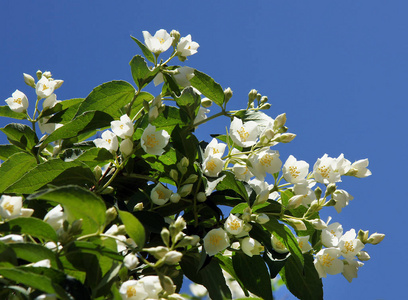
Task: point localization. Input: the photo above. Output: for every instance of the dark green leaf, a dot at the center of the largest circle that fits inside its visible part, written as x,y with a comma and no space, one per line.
14,168
63,106
133,227
231,183
84,123
75,199
20,135
66,115
145,50
170,118
30,226
141,73
109,98
262,119
5,111
226,264
8,150
53,171
185,143
304,283
91,157
206,85
34,252
7,256
253,273
89,247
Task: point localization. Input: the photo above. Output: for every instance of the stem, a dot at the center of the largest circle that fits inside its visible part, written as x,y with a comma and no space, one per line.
221,113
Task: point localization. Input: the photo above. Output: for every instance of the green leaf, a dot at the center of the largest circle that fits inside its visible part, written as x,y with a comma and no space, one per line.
53,171
189,101
84,123
207,86
284,234
63,106
253,273
66,115
109,98
34,252
8,150
138,103
239,209
78,203
14,168
145,50
141,73
5,111
304,283
21,135
170,118
210,276
30,226
7,255
262,119
89,247
185,143
133,227
226,264
91,157
231,183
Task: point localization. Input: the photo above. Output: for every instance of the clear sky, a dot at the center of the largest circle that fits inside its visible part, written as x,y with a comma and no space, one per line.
337,68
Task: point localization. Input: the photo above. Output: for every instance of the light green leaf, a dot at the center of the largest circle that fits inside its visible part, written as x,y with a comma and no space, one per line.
79,203
8,150
109,98
53,171
170,118
207,86
145,50
14,168
253,273
141,73
138,103
31,226
5,111
133,227
21,135
63,106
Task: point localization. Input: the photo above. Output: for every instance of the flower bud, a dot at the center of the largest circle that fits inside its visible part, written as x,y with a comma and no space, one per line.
173,174
29,80
107,190
97,171
246,217
185,190
247,227
279,121
167,284
331,188
195,240
363,236
269,134
264,99
172,257
318,192
285,138
175,297
258,97
201,197
363,256
76,227
111,214
252,95
175,198
318,224
138,207
176,37
130,261
121,230
227,94
165,235
180,224
126,147
38,74
47,74
297,224
206,103
265,106
262,218
191,179
58,83
375,238
295,201
158,252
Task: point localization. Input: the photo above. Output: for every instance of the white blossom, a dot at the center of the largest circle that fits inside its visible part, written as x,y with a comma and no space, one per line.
130,261
304,243
234,225
10,206
350,269
251,246
126,147
132,290
56,217
329,170
153,142
18,102
332,234
277,245
295,171
160,42
215,149
242,172
244,134
160,194
359,168
342,199
45,87
212,166
186,46
216,241
201,115
50,101
183,76
327,262
108,140
349,245
198,290
123,128
265,161
12,238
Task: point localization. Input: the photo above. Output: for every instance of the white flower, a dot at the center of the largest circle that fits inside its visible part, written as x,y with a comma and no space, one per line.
349,245
198,290
56,217
359,168
50,101
18,102
350,269
172,257
160,194
234,225
153,142
10,206
332,234
295,171
265,161
45,263
130,261
233,285
132,290
186,47
45,87
212,166
215,241
123,128
126,147
304,243
251,246
342,199
262,218
47,127
261,189
242,172
244,134
214,149
12,238
277,245
109,141
201,115
160,42
327,262
329,170
152,286
183,76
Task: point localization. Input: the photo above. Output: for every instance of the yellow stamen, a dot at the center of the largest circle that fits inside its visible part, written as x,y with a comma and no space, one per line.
160,194
9,207
293,171
324,171
131,291
243,134
18,100
151,140
326,260
348,246
266,160
211,165
45,87
234,224
215,239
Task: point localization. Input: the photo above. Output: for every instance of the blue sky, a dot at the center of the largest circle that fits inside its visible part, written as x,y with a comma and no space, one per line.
337,68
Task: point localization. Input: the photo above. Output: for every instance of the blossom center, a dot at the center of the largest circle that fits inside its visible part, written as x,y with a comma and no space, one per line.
160,194
348,246
324,171
266,160
108,140
243,134
211,165
45,87
327,260
301,244
151,140
161,41
18,100
234,224
121,126
215,150
9,207
293,171
131,291
215,240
